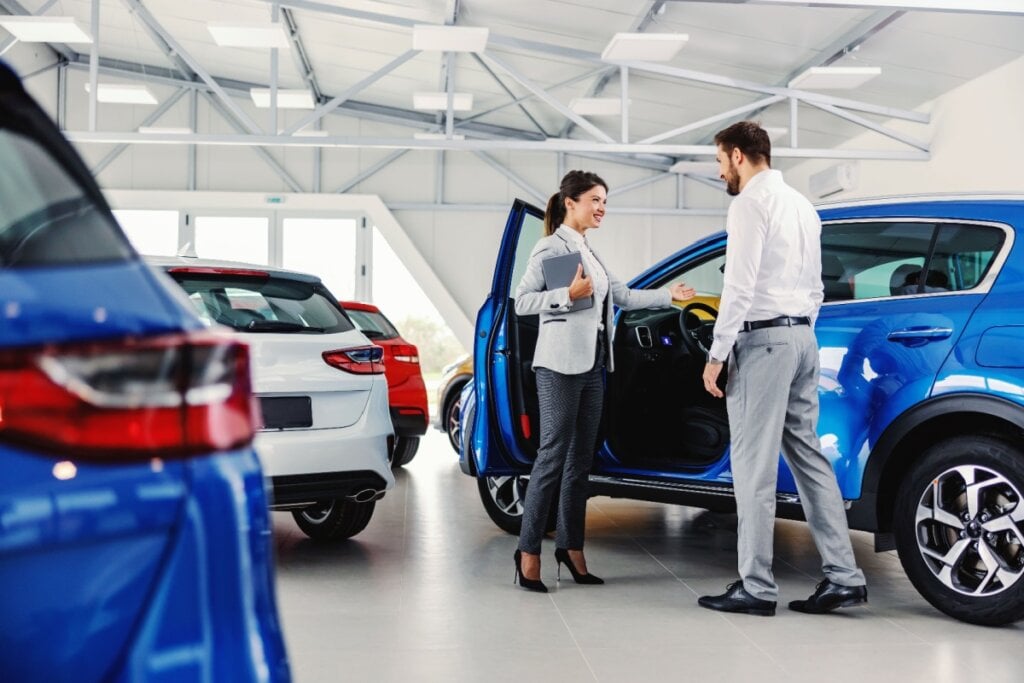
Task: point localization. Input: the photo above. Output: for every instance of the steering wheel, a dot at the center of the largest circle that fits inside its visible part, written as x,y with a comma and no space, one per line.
698,334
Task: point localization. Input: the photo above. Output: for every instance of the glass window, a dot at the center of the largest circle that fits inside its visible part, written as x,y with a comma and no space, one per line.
707,277
47,218
963,256
325,247
873,260
529,235
373,325
256,304
154,233
233,238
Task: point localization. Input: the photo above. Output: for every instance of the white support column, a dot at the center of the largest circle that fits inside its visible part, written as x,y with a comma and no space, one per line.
680,192
275,18
624,81
364,260
94,63
193,121
439,178
794,119
449,117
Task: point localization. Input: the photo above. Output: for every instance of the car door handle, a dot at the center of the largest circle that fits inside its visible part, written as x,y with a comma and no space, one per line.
920,334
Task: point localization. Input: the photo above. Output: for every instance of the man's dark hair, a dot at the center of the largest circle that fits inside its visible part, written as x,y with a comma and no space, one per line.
750,138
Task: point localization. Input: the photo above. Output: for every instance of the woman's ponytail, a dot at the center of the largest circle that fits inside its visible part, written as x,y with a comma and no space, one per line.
555,214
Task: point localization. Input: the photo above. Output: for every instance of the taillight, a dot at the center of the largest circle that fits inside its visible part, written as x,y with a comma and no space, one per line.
170,396
405,353
363,360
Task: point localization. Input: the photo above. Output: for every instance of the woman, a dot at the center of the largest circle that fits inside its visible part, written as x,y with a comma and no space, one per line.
572,351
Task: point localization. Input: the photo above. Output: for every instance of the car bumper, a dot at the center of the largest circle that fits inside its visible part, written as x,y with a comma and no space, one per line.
359,448
409,421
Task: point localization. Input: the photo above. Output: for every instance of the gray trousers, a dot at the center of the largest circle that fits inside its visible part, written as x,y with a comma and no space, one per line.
570,414
772,398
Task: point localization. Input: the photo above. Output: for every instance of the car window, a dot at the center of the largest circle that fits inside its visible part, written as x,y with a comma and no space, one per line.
47,218
271,304
373,325
963,256
529,235
888,258
707,277
873,259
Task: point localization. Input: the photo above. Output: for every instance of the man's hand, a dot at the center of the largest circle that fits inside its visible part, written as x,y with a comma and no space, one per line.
680,292
711,372
580,285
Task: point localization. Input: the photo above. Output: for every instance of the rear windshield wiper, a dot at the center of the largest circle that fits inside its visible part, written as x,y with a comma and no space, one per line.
279,326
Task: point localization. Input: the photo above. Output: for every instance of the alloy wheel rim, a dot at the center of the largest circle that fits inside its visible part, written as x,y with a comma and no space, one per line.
508,493
454,428
317,514
969,525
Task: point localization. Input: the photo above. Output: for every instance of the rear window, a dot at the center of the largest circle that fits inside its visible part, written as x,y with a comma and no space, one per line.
373,325
46,218
251,304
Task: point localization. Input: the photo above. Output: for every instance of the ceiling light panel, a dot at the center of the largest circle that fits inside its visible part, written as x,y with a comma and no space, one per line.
265,35
835,77
123,93
449,38
46,29
286,99
438,101
596,106
644,47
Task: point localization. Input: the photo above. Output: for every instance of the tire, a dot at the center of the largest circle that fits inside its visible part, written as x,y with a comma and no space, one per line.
503,500
405,450
334,520
965,554
451,416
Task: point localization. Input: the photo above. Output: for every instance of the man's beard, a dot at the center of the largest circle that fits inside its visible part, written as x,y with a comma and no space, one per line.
732,182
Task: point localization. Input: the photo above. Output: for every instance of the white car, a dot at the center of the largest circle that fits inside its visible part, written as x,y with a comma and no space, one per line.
327,433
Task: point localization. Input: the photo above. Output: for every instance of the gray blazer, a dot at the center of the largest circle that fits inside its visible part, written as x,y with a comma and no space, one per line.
567,341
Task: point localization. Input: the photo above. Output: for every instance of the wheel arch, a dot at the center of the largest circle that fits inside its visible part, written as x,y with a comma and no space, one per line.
456,382
926,424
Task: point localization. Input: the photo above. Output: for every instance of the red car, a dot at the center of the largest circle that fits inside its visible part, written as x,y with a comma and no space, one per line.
407,394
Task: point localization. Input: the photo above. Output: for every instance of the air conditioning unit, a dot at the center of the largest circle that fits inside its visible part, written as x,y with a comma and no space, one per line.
838,178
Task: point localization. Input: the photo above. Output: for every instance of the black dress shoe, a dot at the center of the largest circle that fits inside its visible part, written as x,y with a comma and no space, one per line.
828,596
736,599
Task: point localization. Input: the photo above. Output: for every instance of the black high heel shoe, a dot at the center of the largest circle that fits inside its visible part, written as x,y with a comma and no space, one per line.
562,557
535,585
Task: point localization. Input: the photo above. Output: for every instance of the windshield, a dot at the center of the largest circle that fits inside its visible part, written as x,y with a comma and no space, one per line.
264,304
46,218
373,325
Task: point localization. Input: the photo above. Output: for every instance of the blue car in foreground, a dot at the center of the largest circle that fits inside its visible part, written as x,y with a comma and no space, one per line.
134,532
922,391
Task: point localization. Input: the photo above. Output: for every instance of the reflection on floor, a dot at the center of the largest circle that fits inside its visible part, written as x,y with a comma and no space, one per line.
425,594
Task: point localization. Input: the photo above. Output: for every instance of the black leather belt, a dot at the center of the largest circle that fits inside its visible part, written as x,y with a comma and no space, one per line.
783,321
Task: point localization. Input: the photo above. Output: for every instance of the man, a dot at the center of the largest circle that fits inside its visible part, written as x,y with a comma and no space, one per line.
765,327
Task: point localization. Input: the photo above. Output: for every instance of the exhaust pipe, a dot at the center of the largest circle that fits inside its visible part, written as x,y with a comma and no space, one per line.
366,495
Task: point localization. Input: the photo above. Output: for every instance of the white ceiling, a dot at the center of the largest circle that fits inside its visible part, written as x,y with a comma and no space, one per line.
922,54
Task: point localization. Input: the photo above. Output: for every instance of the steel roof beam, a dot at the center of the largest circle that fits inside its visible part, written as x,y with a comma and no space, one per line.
1011,7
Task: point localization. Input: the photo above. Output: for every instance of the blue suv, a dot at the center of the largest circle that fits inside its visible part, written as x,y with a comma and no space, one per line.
922,391
134,531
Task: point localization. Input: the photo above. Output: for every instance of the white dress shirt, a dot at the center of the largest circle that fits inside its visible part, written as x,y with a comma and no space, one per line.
591,266
772,259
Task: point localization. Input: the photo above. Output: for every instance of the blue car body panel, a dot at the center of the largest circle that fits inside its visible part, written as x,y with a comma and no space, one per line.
157,570
868,380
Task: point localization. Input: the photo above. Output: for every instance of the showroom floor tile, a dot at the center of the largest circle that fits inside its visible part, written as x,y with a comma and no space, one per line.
425,594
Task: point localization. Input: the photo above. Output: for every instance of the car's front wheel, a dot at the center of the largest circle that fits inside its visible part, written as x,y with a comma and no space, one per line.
334,520
959,527
503,499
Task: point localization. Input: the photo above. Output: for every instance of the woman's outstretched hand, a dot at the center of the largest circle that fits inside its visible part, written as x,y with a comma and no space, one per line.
680,292
580,285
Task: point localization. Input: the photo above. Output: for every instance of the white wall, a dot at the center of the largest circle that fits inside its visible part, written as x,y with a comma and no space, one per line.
976,144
